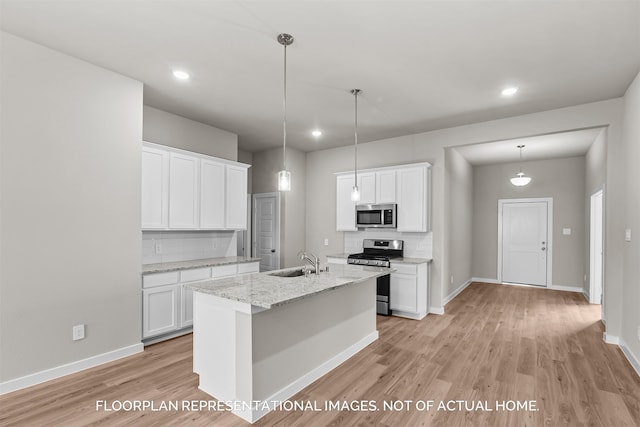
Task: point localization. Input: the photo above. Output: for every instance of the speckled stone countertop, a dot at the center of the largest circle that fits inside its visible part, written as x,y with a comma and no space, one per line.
404,260
266,291
163,267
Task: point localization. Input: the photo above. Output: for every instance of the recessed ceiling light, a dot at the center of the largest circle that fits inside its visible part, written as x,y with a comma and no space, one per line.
317,133
180,75
509,91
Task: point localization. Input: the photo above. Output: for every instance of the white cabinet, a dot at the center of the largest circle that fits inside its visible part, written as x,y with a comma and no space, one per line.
412,199
345,207
183,191
409,290
406,185
160,306
367,187
236,198
188,191
155,189
212,194
167,300
386,186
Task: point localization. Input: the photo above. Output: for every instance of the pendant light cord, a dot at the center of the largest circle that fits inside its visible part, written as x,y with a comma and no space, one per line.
284,116
356,141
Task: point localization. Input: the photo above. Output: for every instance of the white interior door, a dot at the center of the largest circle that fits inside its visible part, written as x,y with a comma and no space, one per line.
266,230
596,248
525,242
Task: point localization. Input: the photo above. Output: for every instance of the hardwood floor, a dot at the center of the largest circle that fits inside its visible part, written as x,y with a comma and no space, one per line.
494,344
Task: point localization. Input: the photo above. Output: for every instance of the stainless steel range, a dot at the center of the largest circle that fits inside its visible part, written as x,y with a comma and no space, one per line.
379,253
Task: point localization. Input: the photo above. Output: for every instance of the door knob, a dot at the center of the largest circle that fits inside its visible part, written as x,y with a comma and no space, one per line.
273,250
543,248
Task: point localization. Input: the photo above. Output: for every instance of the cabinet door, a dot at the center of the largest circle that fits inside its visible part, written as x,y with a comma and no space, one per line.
236,198
186,306
212,195
345,208
386,186
160,310
404,292
155,189
367,187
183,191
412,215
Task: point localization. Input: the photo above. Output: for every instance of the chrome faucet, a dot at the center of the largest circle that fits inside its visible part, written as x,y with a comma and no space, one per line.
311,259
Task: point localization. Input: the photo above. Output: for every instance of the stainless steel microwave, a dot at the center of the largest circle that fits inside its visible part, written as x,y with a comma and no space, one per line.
376,216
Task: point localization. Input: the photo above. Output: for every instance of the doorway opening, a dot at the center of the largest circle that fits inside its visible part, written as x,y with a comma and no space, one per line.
525,241
596,248
266,230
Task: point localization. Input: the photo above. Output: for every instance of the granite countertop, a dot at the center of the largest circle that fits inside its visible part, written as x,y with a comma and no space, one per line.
404,260
266,291
163,267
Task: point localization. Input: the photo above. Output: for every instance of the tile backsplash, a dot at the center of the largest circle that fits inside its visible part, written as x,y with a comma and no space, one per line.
416,245
187,245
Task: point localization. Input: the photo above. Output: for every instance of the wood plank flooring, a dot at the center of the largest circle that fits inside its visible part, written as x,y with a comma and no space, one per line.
495,343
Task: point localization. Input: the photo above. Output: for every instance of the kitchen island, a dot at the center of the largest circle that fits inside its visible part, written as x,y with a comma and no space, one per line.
260,338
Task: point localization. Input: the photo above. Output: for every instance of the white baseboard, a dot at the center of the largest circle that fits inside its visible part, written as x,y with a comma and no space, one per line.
252,415
610,339
578,289
485,280
586,296
455,293
630,356
436,310
69,368
408,315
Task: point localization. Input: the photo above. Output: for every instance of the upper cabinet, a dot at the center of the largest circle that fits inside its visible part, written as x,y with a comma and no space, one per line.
412,213
155,189
189,191
345,207
407,186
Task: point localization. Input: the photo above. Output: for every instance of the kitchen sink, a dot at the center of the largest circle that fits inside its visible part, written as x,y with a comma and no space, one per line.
288,273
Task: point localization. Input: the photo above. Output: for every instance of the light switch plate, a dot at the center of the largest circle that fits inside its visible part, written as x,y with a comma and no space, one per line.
627,235
566,231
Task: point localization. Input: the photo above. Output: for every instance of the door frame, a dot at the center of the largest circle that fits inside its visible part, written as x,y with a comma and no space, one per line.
254,216
549,201
592,255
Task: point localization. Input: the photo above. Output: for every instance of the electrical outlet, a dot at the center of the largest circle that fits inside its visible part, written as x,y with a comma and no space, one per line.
452,279
627,235
158,248
585,277
326,242
78,332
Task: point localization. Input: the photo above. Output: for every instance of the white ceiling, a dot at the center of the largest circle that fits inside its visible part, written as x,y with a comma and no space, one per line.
422,65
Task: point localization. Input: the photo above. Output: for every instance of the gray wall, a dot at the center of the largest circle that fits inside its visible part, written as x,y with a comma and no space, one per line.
630,335
561,179
595,179
459,188
179,132
266,165
70,226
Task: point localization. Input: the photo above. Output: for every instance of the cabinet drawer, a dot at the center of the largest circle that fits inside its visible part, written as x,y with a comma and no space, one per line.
405,268
332,260
248,267
159,279
224,271
195,274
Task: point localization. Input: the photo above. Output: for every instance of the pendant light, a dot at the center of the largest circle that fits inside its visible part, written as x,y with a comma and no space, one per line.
520,179
355,193
284,176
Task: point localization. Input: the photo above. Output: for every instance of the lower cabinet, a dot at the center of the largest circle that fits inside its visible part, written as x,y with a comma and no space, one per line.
160,310
167,300
409,290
